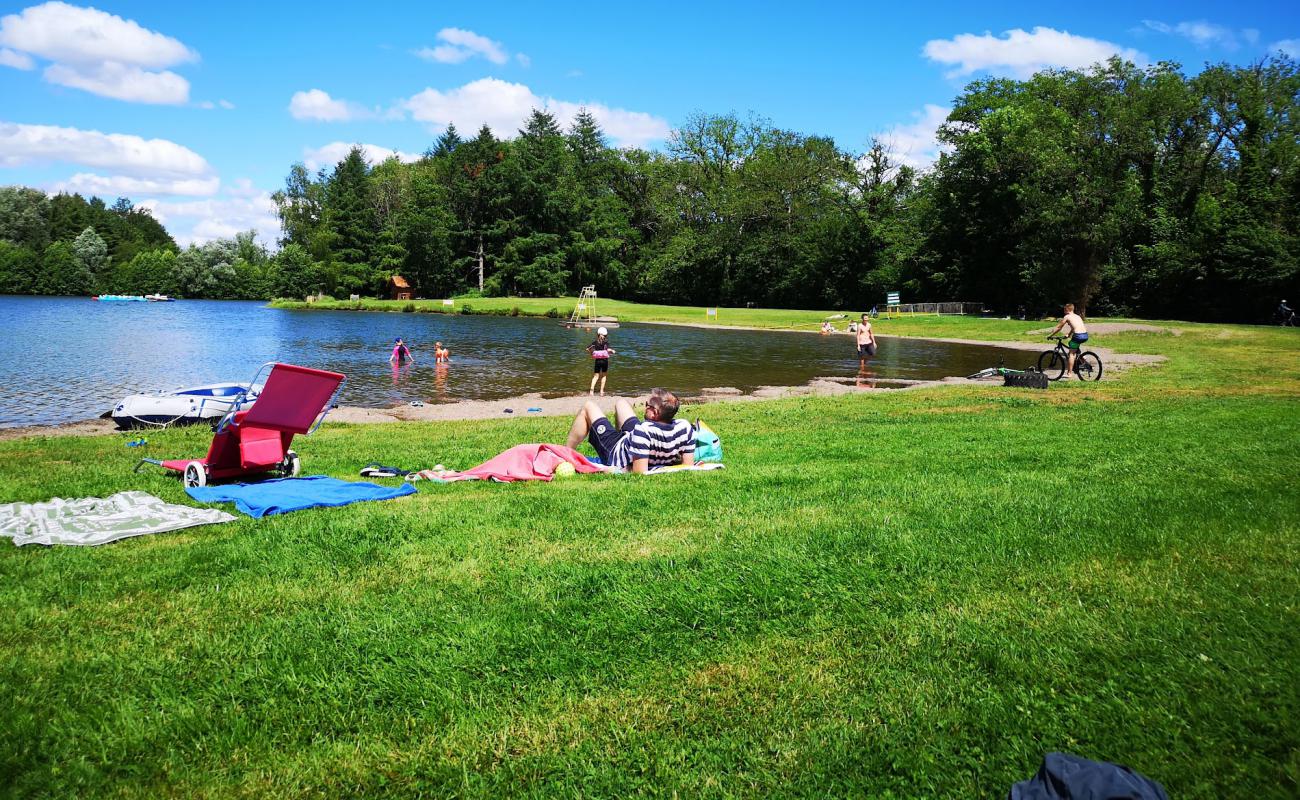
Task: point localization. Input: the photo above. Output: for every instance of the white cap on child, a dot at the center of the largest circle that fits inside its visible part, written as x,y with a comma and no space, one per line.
602,331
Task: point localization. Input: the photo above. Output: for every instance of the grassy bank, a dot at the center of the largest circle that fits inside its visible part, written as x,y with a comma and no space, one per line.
563,307
906,594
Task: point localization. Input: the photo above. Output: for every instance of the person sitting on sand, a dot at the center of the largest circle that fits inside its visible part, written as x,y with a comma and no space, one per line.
866,342
401,353
441,355
600,352
659,440
827,328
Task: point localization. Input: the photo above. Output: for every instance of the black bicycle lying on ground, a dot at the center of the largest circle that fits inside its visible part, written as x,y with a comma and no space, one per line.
1052,363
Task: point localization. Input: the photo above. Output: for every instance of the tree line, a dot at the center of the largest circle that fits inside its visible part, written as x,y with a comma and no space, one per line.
1125,190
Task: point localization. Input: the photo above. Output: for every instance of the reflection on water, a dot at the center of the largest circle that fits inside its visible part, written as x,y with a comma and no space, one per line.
866,377
67,359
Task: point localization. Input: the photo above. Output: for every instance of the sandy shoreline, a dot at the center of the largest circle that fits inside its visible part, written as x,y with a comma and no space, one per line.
567,406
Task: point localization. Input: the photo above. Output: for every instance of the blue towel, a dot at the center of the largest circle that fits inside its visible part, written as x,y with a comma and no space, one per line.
282,495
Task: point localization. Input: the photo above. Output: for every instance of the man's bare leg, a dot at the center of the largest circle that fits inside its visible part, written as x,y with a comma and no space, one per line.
587,416
623,411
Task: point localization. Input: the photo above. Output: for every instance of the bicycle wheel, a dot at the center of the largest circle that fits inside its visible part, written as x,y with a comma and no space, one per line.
1088,366
1052,364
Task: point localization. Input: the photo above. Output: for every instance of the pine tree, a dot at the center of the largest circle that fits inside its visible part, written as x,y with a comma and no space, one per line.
446,143
350,209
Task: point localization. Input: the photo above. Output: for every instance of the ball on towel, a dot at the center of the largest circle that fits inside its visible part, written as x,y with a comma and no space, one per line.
564,470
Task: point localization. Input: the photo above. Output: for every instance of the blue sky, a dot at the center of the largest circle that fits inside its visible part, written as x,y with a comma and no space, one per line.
197,110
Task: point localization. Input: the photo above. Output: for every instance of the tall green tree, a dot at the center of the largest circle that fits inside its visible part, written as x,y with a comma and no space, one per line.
92,255
350,209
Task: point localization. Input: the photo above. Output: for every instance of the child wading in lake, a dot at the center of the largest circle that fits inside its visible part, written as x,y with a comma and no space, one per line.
441,355
600,353
401,353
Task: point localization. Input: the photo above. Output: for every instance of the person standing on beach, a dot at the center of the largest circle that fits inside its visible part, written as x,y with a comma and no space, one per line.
401,353
866,342
600,352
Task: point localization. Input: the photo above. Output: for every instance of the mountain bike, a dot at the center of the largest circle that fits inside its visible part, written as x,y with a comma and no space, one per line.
1052,363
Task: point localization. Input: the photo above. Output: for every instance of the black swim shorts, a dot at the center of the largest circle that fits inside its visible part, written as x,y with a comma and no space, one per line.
599,365
866,350
604,436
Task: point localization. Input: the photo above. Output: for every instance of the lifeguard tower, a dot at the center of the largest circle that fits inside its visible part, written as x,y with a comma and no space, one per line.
584,313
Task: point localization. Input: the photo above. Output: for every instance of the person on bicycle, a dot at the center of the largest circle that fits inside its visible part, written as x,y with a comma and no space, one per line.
1078,335
1284,312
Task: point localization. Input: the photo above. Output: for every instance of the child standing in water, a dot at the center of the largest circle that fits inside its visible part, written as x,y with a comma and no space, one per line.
401,353
441,355
600,353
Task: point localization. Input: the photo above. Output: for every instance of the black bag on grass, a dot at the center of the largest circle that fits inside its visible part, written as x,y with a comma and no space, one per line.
1027,380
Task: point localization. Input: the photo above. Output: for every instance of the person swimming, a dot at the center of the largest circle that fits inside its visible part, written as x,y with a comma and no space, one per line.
441,355
401,353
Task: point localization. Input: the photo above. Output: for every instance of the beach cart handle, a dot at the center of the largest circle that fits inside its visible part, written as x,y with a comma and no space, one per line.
237,402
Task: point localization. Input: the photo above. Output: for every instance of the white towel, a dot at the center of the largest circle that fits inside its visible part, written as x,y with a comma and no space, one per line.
99,520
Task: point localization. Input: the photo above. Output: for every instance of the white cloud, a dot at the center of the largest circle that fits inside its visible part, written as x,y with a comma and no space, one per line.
505,106
125,186
97,52
461,45
226,104
243,187
1289,46
334,152
914,144
317,105
1205,34
524,60
72,35
122,82
1021,54
122,153
199,221
11,58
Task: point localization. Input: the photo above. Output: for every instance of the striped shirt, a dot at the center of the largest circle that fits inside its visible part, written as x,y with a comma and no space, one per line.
661,443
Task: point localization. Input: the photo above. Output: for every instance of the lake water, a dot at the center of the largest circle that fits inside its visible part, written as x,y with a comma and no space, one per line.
69,359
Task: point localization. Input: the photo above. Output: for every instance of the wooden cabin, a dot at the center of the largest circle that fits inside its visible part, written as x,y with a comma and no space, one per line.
399,289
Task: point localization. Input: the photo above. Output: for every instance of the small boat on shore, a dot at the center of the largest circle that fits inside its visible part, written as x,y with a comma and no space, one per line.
181,406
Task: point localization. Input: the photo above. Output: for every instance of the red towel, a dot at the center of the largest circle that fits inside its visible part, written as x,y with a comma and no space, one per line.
526,462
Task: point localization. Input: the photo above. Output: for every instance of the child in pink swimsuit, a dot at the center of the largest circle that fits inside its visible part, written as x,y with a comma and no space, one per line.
401,353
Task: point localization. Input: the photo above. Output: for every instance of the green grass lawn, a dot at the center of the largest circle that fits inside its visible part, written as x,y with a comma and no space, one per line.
894,594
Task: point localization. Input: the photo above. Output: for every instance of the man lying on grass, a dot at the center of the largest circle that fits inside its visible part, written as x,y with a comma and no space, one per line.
657,441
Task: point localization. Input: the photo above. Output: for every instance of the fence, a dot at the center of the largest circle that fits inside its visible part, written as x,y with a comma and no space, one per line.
937,308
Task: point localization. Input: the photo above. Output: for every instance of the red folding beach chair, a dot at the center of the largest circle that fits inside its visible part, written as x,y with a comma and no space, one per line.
256,440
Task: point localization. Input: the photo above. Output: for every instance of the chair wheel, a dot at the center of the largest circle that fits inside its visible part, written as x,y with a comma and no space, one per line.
291,466
195,475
